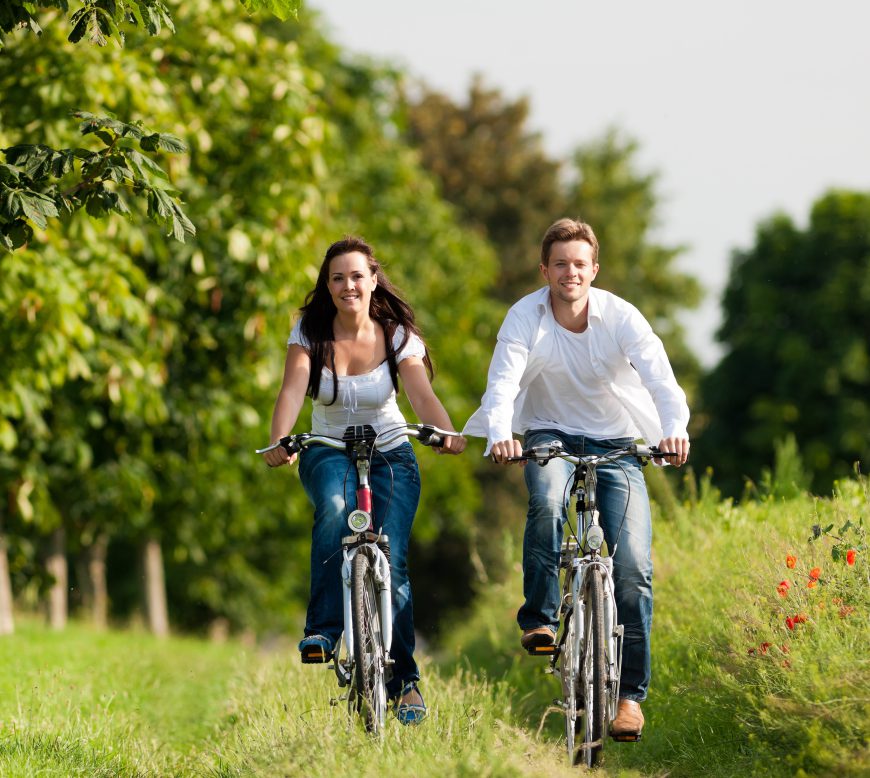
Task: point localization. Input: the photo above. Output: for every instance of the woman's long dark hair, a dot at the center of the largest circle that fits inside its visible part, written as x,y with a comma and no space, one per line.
386,308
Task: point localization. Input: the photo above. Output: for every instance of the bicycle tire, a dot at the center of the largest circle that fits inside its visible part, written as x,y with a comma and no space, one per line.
369,683
594,672
569,673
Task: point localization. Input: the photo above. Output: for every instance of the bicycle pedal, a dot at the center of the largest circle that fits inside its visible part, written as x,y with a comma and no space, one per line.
315,657
541,650
627,737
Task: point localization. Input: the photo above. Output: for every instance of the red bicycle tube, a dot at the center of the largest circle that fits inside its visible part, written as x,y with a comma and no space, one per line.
364,499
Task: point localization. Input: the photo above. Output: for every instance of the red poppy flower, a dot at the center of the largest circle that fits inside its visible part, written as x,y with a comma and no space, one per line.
845,611
764,647
815,573
790,562
782,588
811,584
850,556
789,622
800,618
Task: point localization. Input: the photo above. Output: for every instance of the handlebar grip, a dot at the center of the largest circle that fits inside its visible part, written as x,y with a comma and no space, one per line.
435,440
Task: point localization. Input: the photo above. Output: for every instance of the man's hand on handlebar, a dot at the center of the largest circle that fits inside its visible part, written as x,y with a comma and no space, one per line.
503,450
679,446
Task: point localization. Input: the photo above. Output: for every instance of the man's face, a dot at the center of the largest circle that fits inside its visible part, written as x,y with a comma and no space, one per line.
571,270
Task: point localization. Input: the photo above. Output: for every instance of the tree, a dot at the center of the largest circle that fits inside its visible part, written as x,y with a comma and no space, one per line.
99,21
148,367
620,203
494,169
796,333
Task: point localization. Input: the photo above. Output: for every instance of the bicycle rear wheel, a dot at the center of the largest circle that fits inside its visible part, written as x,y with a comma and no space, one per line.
369,683
593,672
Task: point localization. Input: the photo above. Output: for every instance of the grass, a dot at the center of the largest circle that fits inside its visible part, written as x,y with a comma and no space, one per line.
735,691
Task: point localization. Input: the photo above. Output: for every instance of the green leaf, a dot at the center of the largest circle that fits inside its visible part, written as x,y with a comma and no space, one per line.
79,22
38,208
283,9
144,166
163,141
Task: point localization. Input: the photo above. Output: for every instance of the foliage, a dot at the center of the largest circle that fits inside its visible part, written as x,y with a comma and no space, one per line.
494,169
29,192
797,348
98,21
144,370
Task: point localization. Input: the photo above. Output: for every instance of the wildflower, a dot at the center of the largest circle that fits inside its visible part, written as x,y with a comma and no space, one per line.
786,663
800,618
782,588
789,622
751,651
811,584
764,647
790,562
837,600
845,611
815,573
850,556
784,648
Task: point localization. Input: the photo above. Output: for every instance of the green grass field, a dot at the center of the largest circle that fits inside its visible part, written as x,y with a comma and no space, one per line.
749,677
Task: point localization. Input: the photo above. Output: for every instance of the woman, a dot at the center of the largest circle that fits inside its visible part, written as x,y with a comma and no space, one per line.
355,338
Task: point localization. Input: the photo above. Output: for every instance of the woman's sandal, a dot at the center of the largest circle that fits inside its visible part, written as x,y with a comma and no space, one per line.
315,649
410,713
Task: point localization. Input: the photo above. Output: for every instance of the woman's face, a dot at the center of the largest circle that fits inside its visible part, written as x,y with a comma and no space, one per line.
351,282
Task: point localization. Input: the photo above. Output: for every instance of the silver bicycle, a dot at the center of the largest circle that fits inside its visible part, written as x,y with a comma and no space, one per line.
587,656
365,571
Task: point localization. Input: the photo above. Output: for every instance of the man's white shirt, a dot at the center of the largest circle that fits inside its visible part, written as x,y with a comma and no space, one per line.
613,380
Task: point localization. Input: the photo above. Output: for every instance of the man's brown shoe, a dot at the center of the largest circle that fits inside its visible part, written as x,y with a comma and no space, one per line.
538,640
628,723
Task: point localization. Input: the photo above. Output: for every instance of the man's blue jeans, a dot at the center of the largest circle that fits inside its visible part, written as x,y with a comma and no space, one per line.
621,492
330,481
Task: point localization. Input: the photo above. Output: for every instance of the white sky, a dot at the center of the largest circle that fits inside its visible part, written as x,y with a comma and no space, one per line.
744,108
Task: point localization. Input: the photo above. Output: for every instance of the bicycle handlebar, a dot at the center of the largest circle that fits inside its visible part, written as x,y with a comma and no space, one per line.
426,434
543,454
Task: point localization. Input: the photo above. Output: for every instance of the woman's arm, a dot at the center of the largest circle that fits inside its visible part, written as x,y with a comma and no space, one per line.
425,403
297,369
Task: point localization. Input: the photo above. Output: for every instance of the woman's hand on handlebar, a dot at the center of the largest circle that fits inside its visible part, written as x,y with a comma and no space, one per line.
279,456
453,444
506,449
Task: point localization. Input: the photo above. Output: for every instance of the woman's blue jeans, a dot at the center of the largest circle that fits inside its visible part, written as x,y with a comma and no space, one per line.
621,493
330,481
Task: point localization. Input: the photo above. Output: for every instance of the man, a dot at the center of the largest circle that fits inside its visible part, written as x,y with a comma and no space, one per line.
580,365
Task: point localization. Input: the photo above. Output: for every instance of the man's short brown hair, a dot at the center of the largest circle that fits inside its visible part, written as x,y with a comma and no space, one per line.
565,230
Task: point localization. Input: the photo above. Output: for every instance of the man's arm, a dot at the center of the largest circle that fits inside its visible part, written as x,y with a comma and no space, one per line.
647,355
493,420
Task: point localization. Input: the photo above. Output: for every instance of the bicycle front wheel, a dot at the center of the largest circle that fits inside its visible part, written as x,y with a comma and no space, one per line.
569,673
593,673
369,684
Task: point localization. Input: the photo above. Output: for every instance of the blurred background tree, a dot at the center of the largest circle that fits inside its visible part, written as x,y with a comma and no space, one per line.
796,333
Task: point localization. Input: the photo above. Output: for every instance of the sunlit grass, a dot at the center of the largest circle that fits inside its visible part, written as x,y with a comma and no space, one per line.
735,690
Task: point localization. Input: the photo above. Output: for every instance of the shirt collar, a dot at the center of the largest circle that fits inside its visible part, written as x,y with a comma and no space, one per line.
544,304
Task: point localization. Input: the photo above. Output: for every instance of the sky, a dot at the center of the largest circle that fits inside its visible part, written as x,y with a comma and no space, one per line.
744,109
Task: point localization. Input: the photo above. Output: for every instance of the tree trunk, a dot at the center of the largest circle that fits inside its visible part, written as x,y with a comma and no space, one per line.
57,568
155,589
92,573
7,623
